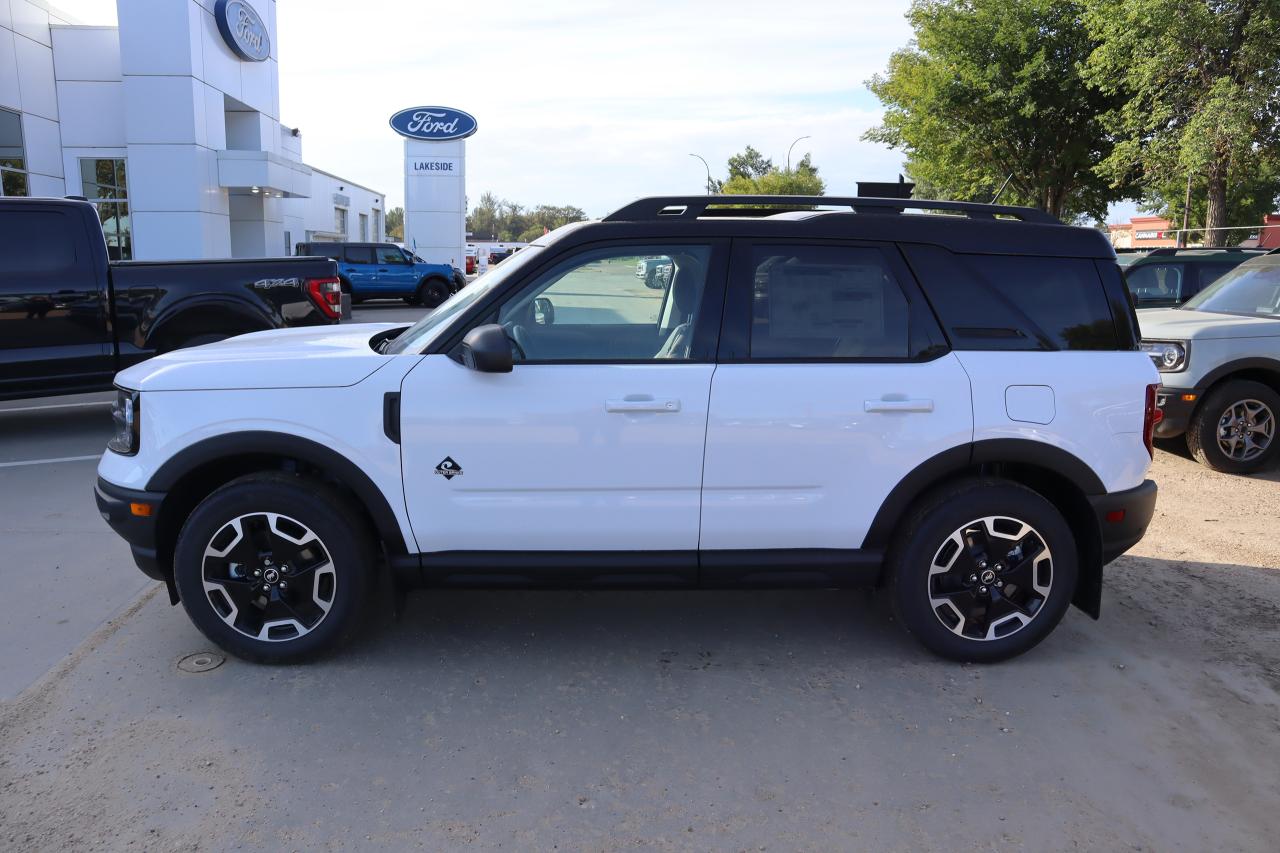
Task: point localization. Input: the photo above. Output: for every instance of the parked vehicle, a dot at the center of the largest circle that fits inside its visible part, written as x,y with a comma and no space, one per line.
791,411
497,256
72,319
1219,362
656,272
386,271
470,263
1166,278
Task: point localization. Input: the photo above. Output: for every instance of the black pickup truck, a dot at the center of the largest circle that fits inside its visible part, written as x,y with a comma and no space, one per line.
70,319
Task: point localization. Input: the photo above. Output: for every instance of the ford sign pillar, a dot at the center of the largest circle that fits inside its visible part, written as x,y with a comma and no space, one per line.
435,190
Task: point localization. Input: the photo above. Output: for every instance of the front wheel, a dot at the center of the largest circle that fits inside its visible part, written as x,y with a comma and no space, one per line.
274,567
983,570
1234,430
432,292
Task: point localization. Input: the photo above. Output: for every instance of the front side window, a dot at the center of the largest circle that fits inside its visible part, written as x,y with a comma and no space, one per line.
1156,284
391,255
822,302
13,156
603,306
103,182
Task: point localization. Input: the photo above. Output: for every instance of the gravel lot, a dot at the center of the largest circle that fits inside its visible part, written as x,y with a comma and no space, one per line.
671,720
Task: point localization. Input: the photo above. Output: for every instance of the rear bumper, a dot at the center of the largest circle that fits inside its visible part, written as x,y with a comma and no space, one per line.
115,505
1176,410
1123,517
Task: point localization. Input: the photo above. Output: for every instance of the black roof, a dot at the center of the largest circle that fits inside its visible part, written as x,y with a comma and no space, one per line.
964,227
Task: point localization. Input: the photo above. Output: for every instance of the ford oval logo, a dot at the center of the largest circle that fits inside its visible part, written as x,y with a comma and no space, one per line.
242,29
433,123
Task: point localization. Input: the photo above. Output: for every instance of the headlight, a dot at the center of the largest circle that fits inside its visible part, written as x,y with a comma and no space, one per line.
1169,356
126,414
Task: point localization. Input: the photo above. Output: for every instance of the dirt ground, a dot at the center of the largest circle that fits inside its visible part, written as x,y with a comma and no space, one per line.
798,720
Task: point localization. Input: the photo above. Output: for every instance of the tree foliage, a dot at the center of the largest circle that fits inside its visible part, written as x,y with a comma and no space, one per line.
751,173
995,88
393,225
1198,81
498,219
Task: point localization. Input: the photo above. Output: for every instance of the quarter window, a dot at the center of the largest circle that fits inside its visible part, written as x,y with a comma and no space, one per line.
13,156
822,302
619,304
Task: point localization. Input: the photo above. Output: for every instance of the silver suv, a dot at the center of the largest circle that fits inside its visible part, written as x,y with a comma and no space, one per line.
1219,362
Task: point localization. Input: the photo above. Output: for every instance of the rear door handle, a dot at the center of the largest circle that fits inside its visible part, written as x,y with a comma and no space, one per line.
897,405
648,404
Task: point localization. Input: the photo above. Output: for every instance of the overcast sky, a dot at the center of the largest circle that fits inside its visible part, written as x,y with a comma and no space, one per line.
586,103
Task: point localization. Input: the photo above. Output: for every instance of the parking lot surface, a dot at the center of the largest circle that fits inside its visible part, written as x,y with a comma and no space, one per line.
609,720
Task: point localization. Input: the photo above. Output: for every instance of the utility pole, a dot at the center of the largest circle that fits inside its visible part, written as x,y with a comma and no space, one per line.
708,168
1186,212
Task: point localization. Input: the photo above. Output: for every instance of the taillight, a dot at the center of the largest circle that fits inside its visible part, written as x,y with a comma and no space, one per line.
326,293
1151,416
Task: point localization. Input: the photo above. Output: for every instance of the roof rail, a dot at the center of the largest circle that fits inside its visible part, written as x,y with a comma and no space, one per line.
691,207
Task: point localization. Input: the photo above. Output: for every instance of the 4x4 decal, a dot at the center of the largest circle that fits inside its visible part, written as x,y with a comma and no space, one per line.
449,469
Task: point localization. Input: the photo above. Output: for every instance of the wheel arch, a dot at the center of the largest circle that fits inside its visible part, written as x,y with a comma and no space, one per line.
1263,370
194,317
196,471
1062,478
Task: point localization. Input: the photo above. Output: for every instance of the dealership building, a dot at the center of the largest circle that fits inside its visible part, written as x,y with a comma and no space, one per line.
169,123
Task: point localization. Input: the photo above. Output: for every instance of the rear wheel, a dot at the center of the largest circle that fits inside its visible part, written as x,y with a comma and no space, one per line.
983,570
1234,430
432,292
274,567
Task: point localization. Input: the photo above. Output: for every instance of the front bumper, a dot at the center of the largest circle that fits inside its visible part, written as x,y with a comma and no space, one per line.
116,504
1177,410
1123,517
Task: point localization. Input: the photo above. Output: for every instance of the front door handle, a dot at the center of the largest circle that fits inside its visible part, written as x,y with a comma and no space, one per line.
641,404
897,405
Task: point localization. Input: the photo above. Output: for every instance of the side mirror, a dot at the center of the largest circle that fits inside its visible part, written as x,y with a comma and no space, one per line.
487,349
544,313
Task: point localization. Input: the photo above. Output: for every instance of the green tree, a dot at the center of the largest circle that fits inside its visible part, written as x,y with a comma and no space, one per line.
1199,82
498,219
750,173
393,225
994,88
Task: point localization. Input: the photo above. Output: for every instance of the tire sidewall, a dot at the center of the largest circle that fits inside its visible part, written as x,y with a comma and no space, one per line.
929,528
309,503
430,289
1203,434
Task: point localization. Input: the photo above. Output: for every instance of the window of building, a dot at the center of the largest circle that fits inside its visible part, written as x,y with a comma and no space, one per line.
340,220
377,226
13,156
364,226
820,302
103,182
288,244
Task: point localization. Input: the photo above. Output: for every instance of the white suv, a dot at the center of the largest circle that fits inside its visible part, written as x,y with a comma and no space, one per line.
951,405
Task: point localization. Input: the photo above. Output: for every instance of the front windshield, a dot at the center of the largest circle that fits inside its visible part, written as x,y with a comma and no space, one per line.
414,338
1252,288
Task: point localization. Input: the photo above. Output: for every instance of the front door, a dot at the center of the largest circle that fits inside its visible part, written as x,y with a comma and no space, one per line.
834,384
594,442
395,270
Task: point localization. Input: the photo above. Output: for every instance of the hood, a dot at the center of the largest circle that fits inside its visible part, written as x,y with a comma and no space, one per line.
309,357
1178,324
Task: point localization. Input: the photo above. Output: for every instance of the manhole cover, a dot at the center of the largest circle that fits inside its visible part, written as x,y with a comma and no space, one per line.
201,662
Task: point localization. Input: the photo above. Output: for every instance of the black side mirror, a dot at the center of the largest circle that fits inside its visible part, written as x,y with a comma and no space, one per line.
487,349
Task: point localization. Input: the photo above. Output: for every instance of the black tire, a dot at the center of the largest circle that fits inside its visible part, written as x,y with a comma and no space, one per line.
340,567
1215,413
459,280
978,577
433,291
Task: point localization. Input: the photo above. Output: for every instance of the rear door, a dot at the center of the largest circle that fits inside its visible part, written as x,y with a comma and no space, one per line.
359,267
833,384
54,334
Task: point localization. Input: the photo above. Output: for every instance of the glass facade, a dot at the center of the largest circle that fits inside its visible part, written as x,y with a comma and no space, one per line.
103,183
13,156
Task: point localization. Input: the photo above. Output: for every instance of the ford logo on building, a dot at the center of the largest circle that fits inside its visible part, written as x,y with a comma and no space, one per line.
435,124
242,29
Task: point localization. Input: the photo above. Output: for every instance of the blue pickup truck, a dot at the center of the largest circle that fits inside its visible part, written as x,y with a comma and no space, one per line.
385,271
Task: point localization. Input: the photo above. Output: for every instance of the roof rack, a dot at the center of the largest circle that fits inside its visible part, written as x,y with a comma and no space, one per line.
693,206
1173,250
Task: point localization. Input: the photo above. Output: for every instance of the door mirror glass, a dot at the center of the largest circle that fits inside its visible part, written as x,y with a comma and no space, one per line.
487,349
544,313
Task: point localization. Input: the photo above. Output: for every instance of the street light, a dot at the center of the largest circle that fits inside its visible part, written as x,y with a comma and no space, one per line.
708,168
793,145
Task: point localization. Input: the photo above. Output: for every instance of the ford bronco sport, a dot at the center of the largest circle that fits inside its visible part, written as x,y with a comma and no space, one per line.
949,403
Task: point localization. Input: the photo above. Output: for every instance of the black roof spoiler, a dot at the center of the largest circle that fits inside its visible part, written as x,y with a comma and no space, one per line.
691,207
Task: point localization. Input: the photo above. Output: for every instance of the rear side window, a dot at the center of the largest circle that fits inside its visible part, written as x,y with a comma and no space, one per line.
1006,302
36,241
819,302
359,254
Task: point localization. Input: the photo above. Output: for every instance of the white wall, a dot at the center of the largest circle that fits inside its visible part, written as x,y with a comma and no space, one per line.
435,202
314,216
